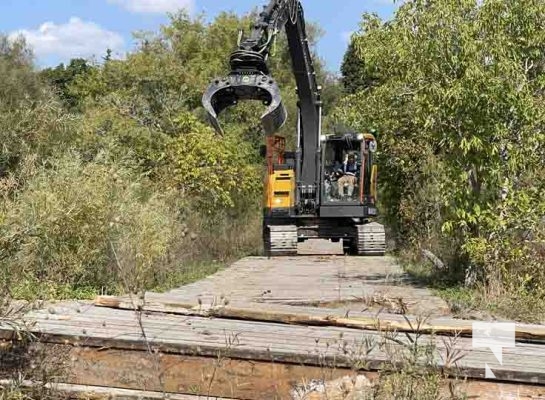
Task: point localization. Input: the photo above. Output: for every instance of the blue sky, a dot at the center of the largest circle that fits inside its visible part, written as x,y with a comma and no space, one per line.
61,29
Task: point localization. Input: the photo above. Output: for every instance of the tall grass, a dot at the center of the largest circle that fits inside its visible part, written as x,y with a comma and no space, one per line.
71,228
84,226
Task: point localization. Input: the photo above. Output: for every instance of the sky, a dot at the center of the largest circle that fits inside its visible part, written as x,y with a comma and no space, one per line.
59,30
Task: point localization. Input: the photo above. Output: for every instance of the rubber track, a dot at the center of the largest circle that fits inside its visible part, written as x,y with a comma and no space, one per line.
280,240
370,240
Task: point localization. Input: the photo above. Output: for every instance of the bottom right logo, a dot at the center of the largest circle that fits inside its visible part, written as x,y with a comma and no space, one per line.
496,337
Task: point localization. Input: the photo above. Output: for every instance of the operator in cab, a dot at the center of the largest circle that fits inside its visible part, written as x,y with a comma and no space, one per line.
348,179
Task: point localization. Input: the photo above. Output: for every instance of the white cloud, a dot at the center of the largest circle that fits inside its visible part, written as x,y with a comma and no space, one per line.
76,38
154,6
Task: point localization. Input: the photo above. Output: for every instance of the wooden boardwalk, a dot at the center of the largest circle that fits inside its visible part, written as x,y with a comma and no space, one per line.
316,281
268,328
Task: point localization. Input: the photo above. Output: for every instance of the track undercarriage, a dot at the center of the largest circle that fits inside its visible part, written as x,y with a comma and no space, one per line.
362,239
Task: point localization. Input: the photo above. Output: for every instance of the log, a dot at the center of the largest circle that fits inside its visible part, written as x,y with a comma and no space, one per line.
281,314
436,261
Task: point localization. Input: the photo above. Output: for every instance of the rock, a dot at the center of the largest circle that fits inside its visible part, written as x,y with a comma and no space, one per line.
347,388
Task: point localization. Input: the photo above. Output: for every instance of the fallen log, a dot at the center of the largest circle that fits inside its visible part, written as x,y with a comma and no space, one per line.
320,317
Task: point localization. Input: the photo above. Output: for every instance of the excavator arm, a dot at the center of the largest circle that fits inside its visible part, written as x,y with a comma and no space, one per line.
250,79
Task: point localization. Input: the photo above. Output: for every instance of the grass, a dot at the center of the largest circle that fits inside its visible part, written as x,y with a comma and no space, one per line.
477,302
410,370
189,272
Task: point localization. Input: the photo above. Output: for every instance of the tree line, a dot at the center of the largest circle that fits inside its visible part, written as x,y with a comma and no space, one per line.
109,173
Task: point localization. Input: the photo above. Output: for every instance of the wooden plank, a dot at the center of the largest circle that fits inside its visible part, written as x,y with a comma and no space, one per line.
314,247
170,327
279,314
312,280
170,373
256,325
335,347
86,392
523,361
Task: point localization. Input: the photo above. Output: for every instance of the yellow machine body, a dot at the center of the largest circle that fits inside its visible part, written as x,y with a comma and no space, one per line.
280,191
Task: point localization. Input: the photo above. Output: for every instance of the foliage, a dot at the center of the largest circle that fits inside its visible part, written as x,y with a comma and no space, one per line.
455,90
353,71
459,108
138,179
19,82
30,117
168,73
357,74
215,171
79,225
61,78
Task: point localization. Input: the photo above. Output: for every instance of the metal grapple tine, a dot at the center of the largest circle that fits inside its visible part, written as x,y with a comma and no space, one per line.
226,92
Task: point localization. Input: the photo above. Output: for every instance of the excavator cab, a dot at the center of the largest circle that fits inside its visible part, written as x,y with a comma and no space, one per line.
355,184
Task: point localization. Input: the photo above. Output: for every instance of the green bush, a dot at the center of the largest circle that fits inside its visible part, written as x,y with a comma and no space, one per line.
32,120
458,104
511,244
78,226
217,172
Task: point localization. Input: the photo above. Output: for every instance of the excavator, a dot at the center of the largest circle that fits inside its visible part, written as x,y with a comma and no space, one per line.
327,187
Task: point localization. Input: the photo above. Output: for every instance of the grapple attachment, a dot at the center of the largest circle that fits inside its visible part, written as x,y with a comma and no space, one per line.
226,92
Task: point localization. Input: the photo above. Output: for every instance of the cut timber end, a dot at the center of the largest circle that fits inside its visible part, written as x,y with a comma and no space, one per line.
108,301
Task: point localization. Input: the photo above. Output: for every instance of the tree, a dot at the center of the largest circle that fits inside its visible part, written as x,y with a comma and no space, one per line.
62,77
31,121
459,106
118,157
19,82
355,72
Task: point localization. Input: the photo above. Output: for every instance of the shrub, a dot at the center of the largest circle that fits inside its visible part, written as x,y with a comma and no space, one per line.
458,105
214,171
85,226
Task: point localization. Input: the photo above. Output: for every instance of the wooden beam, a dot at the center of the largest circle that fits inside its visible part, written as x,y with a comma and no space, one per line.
333,347
282,314
131,374
85,392
205,376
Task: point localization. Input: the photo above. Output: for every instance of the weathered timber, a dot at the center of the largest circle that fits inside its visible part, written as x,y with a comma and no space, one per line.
206,376
100,373
265,327
373,283
87,392
321,317
323,346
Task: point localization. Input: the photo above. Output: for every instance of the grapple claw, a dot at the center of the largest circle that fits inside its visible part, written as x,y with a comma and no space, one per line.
226,92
